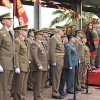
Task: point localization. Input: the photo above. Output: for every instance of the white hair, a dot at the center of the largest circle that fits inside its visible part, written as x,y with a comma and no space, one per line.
57,30
19,31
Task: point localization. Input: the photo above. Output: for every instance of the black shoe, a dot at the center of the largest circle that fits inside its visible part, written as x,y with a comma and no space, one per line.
79,89
64,94
71,92
47,86
51,83
30,89
12,93
58,97
84,87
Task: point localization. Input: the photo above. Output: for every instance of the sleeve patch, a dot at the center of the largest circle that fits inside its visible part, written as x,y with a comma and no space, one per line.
4,34
15,45
33,47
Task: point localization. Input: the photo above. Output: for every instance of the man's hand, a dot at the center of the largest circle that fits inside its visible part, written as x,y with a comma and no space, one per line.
54,64
70,68
17,70
41,67
1,69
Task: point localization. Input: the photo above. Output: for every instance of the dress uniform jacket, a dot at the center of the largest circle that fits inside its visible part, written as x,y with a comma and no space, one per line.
79,45
21,55
86,61
7,62
57,53
21,62
86,55
64,72
39,58
98,52
73,60
95,35
6,49
30,40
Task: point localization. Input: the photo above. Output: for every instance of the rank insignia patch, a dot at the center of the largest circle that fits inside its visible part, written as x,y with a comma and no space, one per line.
33,47
4,34
15,45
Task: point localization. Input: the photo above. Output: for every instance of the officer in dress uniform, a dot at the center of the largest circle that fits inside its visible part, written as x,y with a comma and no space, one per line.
15,34
98,53
65,69
73,60
96,43
79,45
86,61
45,41
39,64
12,86
57,53
30,76
6,56
21,63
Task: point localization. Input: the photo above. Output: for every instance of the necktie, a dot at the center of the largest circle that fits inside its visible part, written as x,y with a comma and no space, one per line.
42,44
25,41
10,34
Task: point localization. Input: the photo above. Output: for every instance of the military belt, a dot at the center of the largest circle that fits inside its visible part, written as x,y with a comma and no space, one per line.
60,54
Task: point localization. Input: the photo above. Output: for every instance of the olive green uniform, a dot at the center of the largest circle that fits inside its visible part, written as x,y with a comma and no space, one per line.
21,62
56,57
7,62
39,58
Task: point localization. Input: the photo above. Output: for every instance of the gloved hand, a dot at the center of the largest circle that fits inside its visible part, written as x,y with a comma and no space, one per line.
17,70
41,67
48,67
1,69
29,62
54,64
79,61
70,68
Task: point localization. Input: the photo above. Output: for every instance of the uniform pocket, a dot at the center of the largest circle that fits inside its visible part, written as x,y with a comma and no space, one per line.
41,51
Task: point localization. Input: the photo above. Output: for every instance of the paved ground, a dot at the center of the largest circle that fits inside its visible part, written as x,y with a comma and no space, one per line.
95,95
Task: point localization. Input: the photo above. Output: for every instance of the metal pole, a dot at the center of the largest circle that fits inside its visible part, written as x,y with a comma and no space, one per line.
87,78
37,16
75,84
79,9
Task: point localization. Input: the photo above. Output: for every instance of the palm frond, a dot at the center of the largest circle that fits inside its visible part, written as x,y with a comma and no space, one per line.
54,21
58,12
61,18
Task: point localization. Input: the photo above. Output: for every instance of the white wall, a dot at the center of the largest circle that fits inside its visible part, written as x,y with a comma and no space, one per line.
46,15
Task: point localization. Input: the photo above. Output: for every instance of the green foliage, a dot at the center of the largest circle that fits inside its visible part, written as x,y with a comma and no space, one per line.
69,18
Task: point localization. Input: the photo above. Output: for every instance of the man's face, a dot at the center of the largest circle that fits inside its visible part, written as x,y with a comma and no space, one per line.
84,40
31,34
94,25
7,22
80,35
39,36
24,33
45,35
61,32
16,33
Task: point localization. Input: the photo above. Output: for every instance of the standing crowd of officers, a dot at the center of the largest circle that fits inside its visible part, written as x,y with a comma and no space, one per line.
27,56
